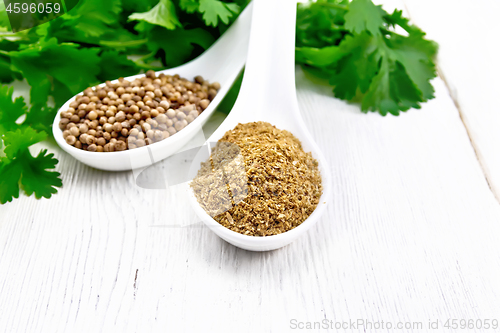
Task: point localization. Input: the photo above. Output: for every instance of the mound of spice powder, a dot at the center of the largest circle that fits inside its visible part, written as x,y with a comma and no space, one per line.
258,181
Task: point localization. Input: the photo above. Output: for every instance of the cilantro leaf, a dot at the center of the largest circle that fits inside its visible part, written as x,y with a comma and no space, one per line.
214,10
91,22
64,29
183,40
396,18
19,168
20,140
84,23
4,19
70,4
10,110
380,94
6,74
10,173
319,25
138,6
94,17
114,65
40,117
369,62
189,6
363,15
355,70
416,54
35,177
163,14
60,70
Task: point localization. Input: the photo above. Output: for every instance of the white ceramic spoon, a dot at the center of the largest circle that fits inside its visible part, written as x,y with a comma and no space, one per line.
222,62
268,94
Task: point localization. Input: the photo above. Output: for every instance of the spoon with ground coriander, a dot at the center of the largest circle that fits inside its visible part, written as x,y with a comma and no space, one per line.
129,123
266,181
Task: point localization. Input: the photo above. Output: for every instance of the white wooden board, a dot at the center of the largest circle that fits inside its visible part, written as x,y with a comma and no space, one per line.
411,235
468,35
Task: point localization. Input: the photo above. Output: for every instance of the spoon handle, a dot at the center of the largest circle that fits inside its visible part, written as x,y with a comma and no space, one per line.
270,66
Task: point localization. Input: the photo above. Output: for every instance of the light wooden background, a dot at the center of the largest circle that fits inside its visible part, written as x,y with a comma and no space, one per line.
412,233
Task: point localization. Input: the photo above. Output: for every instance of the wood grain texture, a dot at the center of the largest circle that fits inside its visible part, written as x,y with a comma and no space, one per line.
467,34
411,234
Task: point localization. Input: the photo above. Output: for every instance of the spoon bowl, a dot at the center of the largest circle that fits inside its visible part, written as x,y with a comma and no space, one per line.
222,62
268,94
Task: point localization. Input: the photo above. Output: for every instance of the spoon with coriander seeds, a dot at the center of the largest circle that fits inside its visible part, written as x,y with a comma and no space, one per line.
265,182
136,121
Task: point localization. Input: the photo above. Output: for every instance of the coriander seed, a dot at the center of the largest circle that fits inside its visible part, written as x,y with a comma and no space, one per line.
74,131
171,130
178,125
204,103
83,138
90,140
162,105
120,145
70,139
165,105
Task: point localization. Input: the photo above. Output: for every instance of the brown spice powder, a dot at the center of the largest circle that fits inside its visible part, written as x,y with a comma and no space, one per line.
258,181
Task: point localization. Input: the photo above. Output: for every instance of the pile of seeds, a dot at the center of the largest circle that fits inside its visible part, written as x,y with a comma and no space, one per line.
131,114
258,181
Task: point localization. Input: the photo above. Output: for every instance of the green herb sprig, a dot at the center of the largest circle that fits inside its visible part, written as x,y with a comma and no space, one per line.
356,47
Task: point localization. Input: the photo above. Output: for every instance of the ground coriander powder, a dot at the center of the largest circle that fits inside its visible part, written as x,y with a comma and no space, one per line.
258,181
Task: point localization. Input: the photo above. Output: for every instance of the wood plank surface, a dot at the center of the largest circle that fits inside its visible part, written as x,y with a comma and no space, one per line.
467,33
410,236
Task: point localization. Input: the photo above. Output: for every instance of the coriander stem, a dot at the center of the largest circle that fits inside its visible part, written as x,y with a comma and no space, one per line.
9,34
124,44
141,62
146,56
333,5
